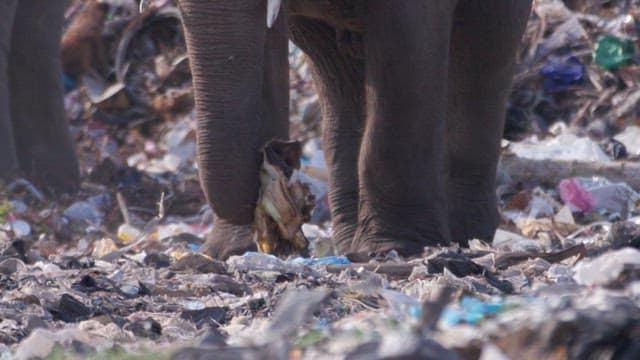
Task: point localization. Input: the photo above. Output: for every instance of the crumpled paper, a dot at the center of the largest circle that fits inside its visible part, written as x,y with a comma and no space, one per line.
284,202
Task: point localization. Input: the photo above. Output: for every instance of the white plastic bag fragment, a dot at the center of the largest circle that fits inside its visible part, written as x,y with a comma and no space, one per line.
564,147
630,137
606,267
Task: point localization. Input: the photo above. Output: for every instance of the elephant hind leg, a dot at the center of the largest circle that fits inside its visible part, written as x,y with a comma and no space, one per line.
402,193
485,37
8,157
339,78
44,146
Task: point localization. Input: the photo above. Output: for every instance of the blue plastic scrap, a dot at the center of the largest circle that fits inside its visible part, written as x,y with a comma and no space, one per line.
561,73
69,82
471,310
326,260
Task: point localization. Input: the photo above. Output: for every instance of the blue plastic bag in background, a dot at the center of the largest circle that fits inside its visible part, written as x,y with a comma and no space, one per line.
561,73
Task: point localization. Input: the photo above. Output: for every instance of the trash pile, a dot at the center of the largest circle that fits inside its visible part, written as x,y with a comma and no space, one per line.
577,68
114,270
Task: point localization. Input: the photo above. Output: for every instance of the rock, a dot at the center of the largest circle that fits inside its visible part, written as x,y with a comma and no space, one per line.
226,284
458,264
38,345
212,338
69,309
212,316
41,342
11,265
624,233
148,328
199,263
157,260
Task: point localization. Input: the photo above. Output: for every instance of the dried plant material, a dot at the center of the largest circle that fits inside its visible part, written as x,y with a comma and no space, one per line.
540,229
546,230
104,96
170,103
134,34
564,222
103,247
82,47
519,201
284,202
534,228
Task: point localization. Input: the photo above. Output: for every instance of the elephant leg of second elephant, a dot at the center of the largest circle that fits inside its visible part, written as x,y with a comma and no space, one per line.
402,193
339,79
43,142
8,157
240,71
485,37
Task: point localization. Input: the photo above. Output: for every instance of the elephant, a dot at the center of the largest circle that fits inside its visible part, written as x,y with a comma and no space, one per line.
412,93
413,96
34,137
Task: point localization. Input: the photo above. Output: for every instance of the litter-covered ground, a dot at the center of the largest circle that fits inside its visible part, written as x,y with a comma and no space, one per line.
114,271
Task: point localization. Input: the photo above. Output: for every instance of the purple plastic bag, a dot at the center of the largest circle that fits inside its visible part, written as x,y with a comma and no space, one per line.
562,73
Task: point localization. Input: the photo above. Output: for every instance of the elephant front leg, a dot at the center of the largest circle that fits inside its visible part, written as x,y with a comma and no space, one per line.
339,79
484,41
402,193
43,143
240,79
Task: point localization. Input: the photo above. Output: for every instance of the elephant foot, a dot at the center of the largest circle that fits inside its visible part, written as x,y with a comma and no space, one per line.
380,246
378,240
470,220
342,236
227,240
52,167
8,172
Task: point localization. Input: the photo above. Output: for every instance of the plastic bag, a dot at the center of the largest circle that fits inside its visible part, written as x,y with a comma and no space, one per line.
559,74
596,193
611,52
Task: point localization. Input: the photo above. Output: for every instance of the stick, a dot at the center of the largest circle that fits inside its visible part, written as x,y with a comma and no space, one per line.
149,226
122,204
509,259
502,262
400,270
549,172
